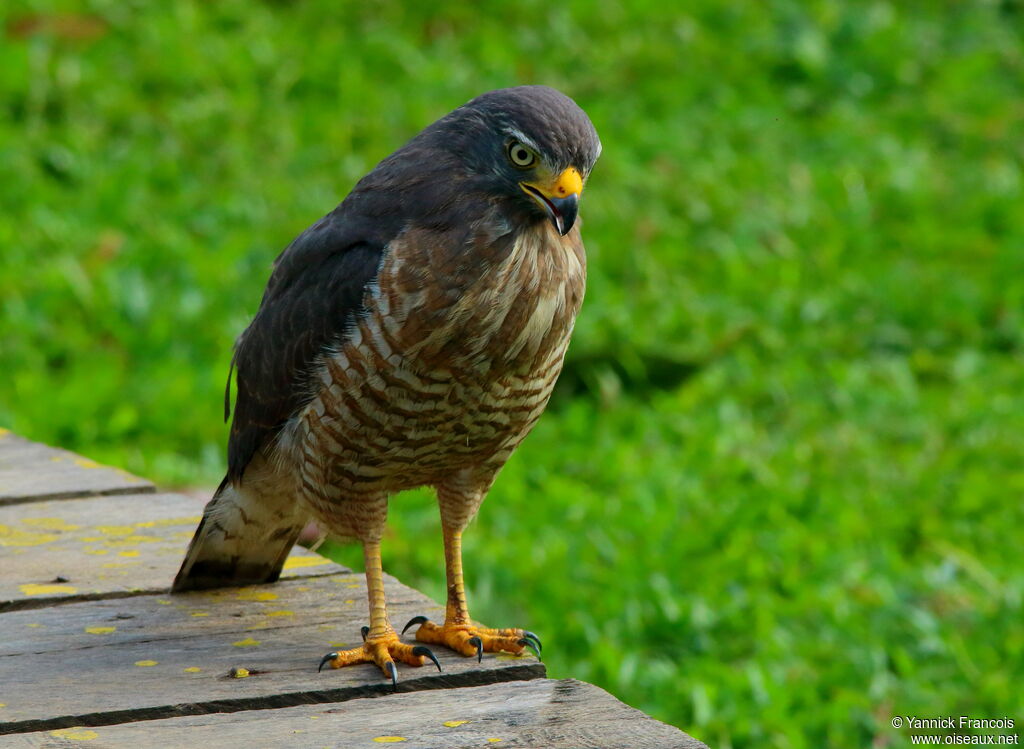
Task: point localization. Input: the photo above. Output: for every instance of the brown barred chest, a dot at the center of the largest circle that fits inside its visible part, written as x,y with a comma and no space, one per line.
422,388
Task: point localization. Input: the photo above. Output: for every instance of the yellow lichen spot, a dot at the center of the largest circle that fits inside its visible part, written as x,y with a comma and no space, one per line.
34,625
146,663
100,630
239,673
493,741
115,530
117,565
50,524
390,739
354,585
146,524
3,704
163,602
302,588
453,723
32,589
97,552
56,458
281,613
4,432
200,613
349,601
325,627
129,553
256,595
11,537
75,734
338,644
294,563
248,642
91,539
86,463
192,670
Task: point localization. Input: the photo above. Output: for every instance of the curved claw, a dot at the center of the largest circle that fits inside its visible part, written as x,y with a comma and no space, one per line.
532,646
527,634
478,643
325,660
393,670
425,652
415,620
364,631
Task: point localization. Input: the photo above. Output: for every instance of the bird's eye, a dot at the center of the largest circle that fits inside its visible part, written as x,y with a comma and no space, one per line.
520,155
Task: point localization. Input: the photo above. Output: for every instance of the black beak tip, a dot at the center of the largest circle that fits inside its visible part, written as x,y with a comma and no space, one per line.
564,214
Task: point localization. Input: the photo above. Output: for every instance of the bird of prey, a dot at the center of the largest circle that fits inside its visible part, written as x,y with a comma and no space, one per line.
409,338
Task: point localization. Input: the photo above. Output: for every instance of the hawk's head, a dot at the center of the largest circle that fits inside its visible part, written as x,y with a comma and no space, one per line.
528,149
535,145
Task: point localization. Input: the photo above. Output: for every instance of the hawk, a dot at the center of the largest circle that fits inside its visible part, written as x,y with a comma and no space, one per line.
409,338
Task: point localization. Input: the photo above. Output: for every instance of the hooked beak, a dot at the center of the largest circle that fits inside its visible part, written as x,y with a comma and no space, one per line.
560,200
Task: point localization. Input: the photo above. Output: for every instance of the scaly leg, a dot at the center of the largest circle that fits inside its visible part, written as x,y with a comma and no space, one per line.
458,631
380,644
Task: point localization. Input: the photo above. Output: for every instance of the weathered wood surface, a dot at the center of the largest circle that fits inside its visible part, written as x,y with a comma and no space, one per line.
95,652
538,713
30,471
125,659
104,547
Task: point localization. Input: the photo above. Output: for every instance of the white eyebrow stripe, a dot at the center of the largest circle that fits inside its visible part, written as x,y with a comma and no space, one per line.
522,138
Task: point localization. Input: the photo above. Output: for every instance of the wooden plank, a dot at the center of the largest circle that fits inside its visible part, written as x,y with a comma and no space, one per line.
538,713
30,471
118,660
104,547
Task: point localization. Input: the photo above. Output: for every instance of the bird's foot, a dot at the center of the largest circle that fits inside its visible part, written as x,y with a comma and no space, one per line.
470,640
383,650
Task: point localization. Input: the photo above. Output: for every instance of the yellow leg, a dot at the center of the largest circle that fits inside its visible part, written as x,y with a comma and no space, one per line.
381,645
458,631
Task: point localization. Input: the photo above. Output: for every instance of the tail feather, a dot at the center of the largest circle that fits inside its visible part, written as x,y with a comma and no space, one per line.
243,539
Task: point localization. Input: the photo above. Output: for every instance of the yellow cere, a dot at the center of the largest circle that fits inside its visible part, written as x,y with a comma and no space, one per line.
192,670
248,642
453,723
75,734
146,663
294,563
256,595
32,589
390,739
50,524
100,630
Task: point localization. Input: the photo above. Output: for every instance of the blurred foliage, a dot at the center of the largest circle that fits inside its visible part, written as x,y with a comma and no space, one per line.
778,497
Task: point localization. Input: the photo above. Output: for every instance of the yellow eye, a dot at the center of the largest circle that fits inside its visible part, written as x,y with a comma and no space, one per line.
520,155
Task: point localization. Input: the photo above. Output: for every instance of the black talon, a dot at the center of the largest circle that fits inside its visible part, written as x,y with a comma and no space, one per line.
531,636
326,659
415,620
364,631
425,652
394,674
532,646
479,648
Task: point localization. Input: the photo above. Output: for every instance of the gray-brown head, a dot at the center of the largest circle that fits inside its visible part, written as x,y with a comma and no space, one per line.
528,149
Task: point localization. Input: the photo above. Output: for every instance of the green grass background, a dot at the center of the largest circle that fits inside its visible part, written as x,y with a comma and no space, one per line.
777,499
